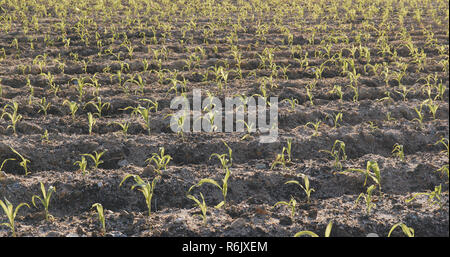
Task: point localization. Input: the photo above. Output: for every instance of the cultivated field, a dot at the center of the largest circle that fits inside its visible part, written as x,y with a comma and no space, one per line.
85,92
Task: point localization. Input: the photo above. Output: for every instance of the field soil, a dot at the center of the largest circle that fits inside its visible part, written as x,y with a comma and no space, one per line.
254,187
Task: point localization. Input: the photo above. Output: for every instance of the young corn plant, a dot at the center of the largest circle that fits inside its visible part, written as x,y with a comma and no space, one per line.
82,165
101,216
336,119
23,162
146,188
73,106
292,204
444,170
338,91
444,141
432,107
368,198
434,197
145,114
11,213
404,91
281,158
201,205
249,128
2,173
95,158
338,153
292,102
226,161
398,152
91,122
123,126
305,188
13,116
316,127
419,114
44,106
161,161
409,232
312,234
99,106
45,200
375,175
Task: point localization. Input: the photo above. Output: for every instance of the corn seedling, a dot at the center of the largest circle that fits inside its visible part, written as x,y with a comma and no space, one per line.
161,161
436,194
24,161
45,200
44,137
336,118
249,129
201,205
432,107
372,170
151,105
4,162
82,165
146,188
338,91
13,116
409,232
309,94
419,114
292,204
292,102
398,151
73,106
99,106
368,198
280,159
101,216
404,91
312,234
11,214
44,106
305,188
180,123
316,126
95,158
443,170
337,153
444,141
79,83
224,188
123,126
145,115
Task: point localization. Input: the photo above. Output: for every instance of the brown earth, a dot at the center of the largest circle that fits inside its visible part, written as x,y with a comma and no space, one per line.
253,187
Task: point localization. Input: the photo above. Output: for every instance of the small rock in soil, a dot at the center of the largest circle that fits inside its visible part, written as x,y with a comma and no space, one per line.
372,235
285,221
261,166
123,163
115,234
237,224
72,235
148,171
54,234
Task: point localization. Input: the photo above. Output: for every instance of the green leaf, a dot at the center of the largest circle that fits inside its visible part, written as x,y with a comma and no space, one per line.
308,233
328,229
219,205
210,181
